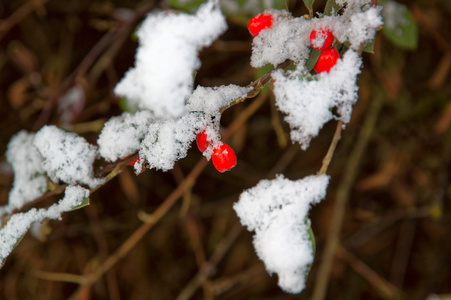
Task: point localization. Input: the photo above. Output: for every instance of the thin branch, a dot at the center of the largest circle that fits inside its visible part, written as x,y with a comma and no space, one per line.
210,267
385,289
330,152
20,14
343,191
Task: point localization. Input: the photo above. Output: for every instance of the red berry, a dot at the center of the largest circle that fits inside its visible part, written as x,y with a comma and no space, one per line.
201,141
327,59
321,38
258,23
132,163
223,158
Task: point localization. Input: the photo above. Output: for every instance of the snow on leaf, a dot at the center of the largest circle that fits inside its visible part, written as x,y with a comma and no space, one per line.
18,224
29,179
66,156
166,58
276,211
122,135
307,103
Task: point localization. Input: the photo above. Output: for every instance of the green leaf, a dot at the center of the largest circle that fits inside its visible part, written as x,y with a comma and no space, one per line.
399,25
186,5
312,240
331,7
84,203
369,47
311,61
309,5
125,105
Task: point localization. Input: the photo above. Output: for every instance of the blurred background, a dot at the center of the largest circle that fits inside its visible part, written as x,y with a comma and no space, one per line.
388,199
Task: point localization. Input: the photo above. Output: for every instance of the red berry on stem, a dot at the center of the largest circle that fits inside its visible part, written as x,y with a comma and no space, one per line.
327,59
132,163
201,141
321,38
258,23
223,158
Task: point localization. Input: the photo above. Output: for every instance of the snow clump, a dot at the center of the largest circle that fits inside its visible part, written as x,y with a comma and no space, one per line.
307,102
122,135
166,58
19,223
29,179
66,156
277,211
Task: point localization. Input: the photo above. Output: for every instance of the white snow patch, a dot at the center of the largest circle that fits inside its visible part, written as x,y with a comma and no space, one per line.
394,15
19,223
277,211
307,102
29,176
166,58
168,141
288,38
122,135
66,156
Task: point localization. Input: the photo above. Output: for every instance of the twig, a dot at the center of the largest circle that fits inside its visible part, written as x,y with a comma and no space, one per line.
115,36
342,197
330,152
385,289
20,14
209,268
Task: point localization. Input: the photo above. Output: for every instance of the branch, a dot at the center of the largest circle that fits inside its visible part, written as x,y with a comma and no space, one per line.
350,173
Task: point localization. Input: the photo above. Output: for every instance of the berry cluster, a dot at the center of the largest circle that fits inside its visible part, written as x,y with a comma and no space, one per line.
322,39
223,157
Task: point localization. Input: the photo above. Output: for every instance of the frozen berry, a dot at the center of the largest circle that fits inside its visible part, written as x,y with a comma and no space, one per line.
327,59
321,38
201,141
223,158
258,23
132,163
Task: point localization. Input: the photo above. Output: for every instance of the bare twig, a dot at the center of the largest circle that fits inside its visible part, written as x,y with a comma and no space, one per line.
385,289
210,267
330,152
20,14
342,197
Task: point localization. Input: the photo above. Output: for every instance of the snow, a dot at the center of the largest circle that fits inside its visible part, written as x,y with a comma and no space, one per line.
288,38
29,178
167,141
166,59
394,16
307,103
122,135
19,223
66,156
211,99
71,104
277,211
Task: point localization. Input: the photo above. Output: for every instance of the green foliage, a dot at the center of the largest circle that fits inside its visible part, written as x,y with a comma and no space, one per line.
309,5
400,27
125,105
186,5
313,58
331,7
84,203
